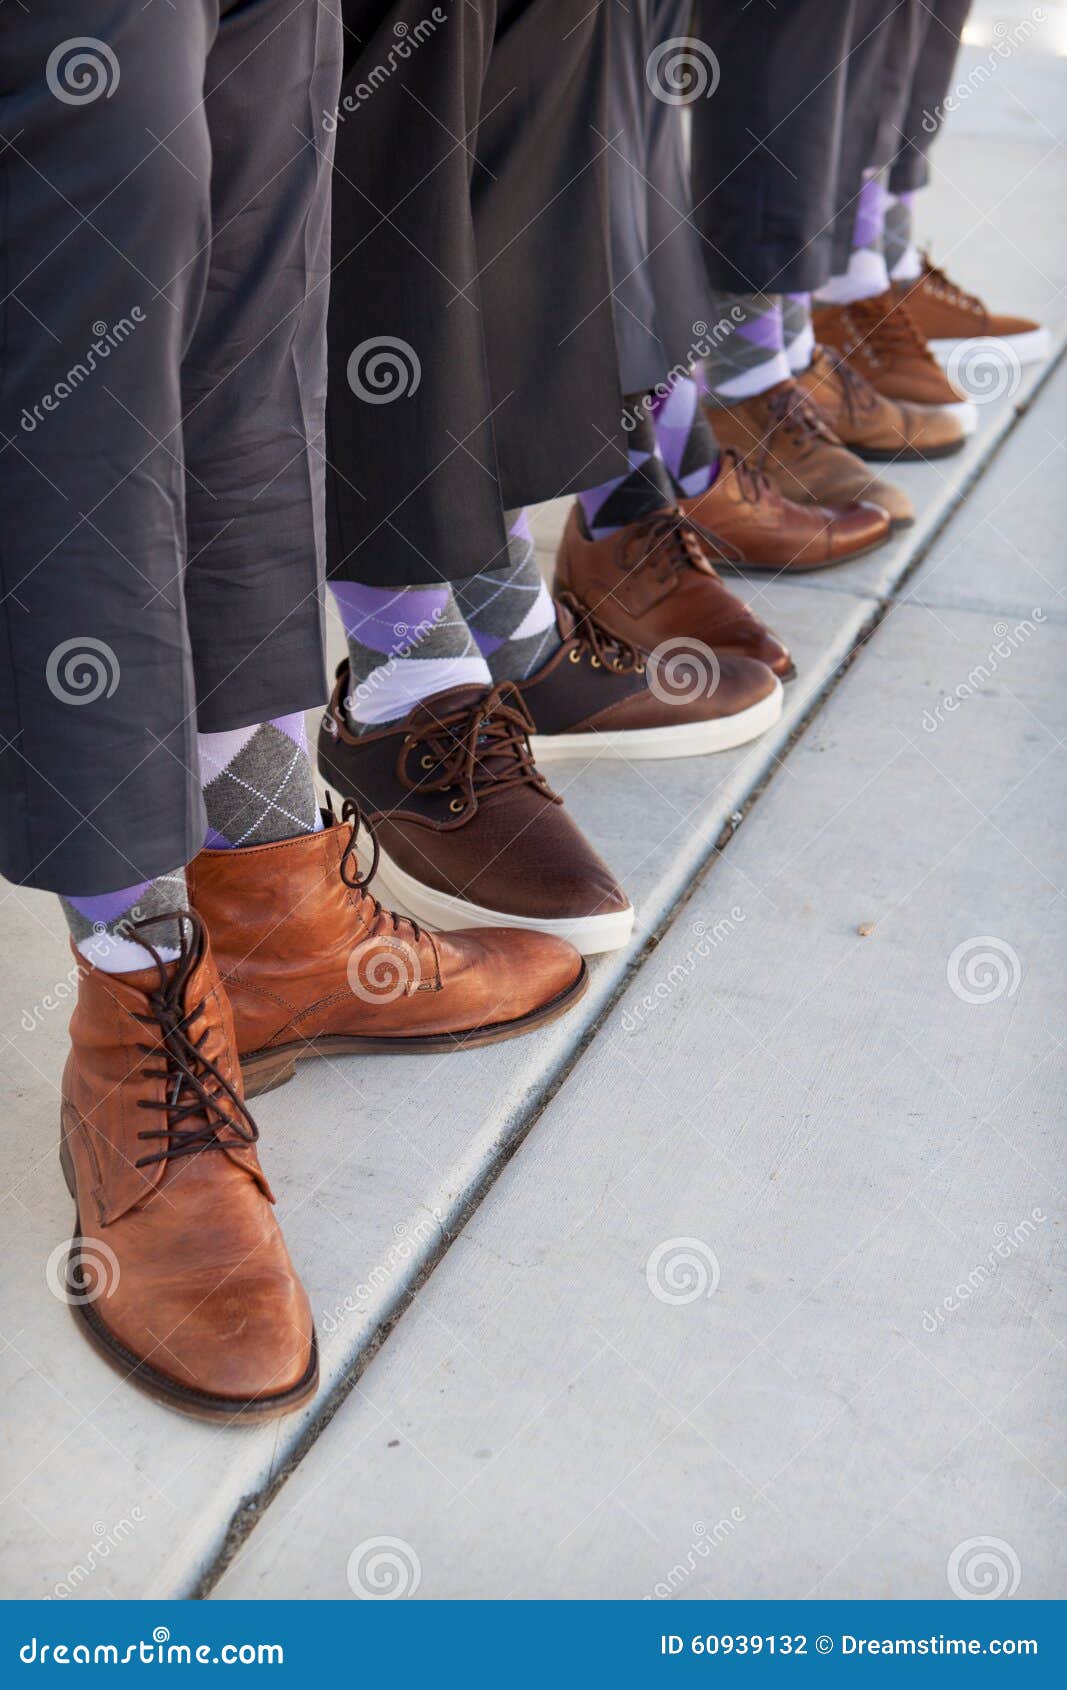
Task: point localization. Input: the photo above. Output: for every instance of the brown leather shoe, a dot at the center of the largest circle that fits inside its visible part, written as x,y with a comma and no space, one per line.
599,694
784,434
872,426
312,964
947,316
178,1273
651,582
744,522
469,832
883,343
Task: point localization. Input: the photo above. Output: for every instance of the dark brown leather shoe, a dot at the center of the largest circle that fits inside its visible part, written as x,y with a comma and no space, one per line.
178,1273
784,434
754,526
600,695
312,964
469,832
872,426
647,586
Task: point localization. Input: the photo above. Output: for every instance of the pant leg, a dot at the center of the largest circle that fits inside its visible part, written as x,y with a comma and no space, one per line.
104,202
924,108
660,293
765,145
254,376
472,358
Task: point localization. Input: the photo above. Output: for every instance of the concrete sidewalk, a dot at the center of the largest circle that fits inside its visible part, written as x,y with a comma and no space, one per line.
818,1132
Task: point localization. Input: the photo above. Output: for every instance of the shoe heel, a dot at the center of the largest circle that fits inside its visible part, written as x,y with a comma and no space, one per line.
267,1072
67,1167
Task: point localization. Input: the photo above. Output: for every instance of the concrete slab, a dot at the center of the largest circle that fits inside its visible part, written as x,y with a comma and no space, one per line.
768,1306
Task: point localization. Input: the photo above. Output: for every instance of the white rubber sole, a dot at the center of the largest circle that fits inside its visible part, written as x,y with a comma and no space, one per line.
1029,348
684,739
589,934
965,413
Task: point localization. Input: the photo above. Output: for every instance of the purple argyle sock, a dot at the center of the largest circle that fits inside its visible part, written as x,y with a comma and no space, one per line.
685,439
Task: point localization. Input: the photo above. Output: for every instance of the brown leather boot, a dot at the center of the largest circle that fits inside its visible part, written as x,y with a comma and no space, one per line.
651,581
600,695
178,1273
874,427
784,434
745,521
312,964
468,830
881,340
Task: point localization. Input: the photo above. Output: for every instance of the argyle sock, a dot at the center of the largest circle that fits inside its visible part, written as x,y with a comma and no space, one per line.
866,274
898,244
98,925
797,331
686,442
404,645
747,354
509,609
643,488
258,784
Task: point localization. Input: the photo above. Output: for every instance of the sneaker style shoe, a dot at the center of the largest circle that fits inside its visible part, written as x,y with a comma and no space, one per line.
953,320
469,832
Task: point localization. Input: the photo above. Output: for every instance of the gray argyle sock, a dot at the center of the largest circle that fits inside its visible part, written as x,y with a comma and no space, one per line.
509,609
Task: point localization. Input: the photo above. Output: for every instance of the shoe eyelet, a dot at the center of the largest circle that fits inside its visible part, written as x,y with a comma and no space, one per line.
456,805
594,663
426,762
640,668
574,655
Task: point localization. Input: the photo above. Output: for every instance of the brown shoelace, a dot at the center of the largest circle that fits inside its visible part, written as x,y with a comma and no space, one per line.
671,540
197,1090
608,649
350,870
939,282
889,334
479,750
795,414
858,394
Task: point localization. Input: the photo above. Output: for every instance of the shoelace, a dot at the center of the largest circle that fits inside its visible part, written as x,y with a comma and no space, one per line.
352,814
197,1090
671,540
858,394
480,750
794,413
889,334
608,649
950,290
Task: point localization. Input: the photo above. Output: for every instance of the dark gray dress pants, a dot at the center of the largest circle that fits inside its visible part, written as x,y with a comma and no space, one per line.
164,234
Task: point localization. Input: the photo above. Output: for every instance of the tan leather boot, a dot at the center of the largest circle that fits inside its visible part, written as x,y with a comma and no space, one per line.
784,434
872,426
313,964
178,1273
